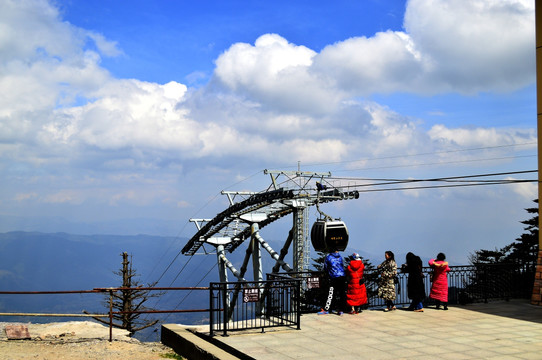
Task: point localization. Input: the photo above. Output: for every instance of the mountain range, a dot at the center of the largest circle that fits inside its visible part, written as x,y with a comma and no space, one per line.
38,261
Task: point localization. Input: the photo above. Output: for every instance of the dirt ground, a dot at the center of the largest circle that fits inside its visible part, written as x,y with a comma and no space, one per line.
78,340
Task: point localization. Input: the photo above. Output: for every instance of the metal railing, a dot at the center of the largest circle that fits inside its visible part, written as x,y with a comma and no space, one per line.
254,304
466,284
110,314
280,300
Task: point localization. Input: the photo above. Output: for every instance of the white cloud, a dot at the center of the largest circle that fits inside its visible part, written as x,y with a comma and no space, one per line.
183,204
34,29
127,113
479,137
447,46
276,95
391,132
43,60
275,72
527,190
25,196
64,196
268,104
72,137
105,47
386,62
474,45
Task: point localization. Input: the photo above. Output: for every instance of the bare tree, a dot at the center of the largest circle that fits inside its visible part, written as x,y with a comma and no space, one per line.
128,301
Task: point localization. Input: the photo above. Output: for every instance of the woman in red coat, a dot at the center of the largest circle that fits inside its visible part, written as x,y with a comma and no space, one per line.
356,293
439,287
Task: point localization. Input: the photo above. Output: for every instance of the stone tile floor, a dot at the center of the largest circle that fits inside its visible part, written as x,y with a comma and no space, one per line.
497,330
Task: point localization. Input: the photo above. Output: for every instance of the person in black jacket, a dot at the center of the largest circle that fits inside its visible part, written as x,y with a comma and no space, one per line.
415,286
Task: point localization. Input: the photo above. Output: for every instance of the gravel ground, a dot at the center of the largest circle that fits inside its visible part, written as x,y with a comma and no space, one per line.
78,340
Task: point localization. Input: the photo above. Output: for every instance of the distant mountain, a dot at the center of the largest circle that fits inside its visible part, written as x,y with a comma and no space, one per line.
54,224
38,261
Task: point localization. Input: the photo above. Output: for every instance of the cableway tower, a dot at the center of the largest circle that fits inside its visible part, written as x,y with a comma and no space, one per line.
249,212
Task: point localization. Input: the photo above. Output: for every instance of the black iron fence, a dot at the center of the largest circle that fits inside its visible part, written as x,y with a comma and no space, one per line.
466,284
254,304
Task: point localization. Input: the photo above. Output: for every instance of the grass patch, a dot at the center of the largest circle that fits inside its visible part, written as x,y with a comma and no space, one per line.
172,356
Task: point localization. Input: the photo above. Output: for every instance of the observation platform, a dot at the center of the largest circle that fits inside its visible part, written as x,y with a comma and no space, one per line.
496,330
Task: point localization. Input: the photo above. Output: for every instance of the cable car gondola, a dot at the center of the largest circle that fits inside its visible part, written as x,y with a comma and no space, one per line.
328,235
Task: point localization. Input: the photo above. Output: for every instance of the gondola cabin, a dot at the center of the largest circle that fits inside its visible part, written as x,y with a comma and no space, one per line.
329,235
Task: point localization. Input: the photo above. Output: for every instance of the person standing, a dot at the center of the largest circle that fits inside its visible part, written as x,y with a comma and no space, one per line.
415,287
334,267
439,286
386,283
356,293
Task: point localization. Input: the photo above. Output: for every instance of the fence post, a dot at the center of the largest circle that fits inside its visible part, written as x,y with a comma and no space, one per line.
225,296
211,310
298,303
110,315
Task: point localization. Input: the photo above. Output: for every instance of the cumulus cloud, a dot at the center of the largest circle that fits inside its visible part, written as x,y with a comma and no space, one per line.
128,113
271,102
472,46
272,94
447,46
477,137
44,61
276,73
386,62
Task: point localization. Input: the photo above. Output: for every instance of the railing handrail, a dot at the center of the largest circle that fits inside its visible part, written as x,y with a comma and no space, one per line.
460,276
110,313
99,290
466,283
281,294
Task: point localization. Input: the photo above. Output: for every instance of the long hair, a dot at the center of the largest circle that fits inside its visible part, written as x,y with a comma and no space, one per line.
390,254
413,262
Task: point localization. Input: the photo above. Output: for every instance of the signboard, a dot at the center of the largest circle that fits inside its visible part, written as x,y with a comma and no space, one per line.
313,283
251,295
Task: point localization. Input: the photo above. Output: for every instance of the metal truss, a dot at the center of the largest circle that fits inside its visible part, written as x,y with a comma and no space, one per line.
231,227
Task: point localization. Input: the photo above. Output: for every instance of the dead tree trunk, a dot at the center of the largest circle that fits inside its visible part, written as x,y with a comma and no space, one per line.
128,299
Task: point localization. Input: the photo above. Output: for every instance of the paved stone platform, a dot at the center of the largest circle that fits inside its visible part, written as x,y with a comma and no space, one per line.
497,330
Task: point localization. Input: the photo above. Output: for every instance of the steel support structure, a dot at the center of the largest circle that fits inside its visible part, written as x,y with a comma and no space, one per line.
301,247
248,212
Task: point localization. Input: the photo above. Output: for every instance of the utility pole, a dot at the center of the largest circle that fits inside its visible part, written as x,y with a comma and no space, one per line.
536,298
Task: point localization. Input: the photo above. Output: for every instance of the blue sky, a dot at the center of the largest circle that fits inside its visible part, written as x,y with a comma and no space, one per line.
131,116
178,38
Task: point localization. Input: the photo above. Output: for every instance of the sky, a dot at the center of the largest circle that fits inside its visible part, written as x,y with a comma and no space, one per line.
130,117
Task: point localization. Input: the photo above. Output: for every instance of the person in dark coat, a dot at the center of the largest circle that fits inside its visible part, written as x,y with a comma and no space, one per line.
356,293
415,286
